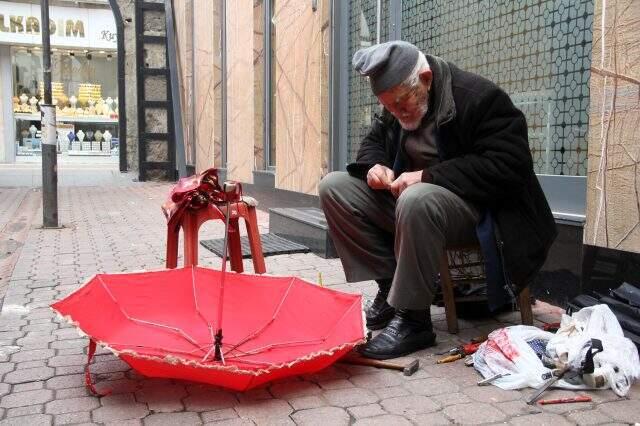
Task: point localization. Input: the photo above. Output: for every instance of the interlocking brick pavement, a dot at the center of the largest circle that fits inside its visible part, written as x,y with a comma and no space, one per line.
120,228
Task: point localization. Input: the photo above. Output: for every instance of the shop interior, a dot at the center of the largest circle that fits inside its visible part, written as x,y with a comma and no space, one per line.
84,91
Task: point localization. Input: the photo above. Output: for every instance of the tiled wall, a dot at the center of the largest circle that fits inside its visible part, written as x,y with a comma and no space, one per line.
240,90
258,84
300,87
207,79
613,193
300,78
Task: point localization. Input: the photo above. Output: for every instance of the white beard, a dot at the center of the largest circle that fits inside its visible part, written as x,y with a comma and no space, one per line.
413,125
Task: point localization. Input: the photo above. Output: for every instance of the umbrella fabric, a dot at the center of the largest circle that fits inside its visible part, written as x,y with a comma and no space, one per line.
163,323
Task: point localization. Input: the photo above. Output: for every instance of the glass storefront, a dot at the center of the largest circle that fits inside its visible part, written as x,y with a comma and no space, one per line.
84,90
84,78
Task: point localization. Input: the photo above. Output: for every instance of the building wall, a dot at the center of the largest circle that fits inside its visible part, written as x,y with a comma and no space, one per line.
7,131
300,85
240,90
185,22
207,79
127,10
613,193
258,84
300,81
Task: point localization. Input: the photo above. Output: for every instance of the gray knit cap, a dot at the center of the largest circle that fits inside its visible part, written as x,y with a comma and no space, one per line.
386,64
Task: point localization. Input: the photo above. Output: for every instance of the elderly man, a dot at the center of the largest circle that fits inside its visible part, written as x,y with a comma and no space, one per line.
446,163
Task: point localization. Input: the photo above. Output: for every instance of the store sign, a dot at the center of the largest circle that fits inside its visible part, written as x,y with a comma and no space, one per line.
69,26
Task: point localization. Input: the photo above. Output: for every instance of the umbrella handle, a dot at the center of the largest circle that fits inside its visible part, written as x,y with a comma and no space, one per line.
91,350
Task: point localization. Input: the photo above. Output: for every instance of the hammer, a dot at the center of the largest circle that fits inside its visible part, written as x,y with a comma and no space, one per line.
407,369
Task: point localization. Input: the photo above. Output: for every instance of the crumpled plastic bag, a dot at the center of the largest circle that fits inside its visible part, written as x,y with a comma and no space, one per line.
618,362
507,351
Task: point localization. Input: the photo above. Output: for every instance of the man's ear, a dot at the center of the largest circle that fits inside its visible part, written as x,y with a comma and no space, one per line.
426,77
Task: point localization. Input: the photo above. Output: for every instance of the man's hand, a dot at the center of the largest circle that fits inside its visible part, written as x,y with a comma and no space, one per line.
379,177
404,181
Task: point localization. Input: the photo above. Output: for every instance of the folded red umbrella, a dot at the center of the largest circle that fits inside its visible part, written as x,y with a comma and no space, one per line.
164,324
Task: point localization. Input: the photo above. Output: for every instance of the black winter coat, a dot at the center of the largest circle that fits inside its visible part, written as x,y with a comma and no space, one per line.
484,158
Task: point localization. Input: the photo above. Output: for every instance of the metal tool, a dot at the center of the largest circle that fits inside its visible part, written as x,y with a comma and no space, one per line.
587,367
407,369
491,379
459,352
581,398
556,375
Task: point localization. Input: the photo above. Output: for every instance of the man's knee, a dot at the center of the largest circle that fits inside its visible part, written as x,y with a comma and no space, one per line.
332,183
422,202
424,198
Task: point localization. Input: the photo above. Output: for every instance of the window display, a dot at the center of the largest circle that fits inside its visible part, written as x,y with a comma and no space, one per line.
84,91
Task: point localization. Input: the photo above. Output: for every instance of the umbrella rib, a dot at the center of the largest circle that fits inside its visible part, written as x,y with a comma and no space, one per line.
195,298
260,330
277,345
295,343
195,301
174,329
326,336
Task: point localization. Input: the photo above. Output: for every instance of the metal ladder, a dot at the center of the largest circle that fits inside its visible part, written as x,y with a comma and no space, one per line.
155,168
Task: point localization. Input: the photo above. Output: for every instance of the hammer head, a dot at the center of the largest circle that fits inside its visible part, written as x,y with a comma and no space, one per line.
411,368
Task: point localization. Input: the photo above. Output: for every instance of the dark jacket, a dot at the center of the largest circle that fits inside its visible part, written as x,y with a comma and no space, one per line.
485,159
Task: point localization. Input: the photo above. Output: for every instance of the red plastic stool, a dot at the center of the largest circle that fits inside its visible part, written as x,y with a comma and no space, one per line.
191,220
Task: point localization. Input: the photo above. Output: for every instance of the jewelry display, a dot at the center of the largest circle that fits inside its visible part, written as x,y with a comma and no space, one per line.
33,102
107,138
71,136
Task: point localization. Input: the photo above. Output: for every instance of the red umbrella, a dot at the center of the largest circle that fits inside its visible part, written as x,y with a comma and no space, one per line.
164,324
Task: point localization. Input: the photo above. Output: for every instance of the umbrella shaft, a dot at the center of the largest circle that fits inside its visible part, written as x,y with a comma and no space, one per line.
224,268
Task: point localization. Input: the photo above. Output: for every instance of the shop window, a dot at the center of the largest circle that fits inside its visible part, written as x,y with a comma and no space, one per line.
85,92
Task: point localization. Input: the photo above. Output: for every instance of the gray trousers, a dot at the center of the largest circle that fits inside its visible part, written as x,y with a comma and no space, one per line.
379,237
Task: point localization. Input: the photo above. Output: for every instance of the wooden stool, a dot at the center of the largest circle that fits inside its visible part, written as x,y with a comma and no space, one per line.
191,221
524,298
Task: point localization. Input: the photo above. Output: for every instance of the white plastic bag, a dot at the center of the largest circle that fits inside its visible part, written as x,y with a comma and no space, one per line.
618,361
507,351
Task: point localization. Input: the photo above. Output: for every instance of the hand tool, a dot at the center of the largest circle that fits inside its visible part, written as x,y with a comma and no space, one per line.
407,368
490,380
587,367
581,398
449,358
553,377
459,352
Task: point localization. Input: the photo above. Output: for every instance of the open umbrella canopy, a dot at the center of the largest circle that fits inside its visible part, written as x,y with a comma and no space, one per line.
163,324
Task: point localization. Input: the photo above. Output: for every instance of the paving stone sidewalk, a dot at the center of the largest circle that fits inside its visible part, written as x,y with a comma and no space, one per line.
118,229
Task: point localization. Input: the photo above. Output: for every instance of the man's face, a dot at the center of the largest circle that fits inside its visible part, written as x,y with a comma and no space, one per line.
408,105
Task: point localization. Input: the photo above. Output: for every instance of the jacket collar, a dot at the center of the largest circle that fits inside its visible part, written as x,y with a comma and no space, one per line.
445,107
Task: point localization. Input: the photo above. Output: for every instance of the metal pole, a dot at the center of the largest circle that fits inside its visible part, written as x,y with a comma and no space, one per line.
49,132
378,20
174,75
267,84
223,37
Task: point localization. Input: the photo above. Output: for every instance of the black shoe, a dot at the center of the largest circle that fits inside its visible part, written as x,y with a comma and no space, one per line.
408,331
380,312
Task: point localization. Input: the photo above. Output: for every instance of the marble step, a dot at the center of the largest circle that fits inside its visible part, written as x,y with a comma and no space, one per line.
303,225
